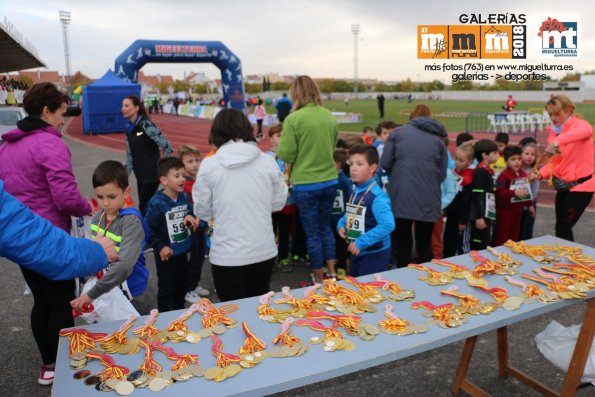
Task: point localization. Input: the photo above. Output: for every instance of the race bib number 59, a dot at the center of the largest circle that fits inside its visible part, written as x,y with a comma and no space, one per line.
176,229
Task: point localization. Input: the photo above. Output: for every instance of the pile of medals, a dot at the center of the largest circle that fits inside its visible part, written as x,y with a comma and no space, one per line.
338,304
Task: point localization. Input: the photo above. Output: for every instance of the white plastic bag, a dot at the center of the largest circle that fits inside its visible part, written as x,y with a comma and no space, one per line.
556,342
81,226
110,306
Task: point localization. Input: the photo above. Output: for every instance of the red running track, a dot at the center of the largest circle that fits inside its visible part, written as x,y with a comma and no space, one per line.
183,130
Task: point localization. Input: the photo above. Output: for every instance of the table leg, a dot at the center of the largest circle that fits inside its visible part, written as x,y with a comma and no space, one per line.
460,382
503,352
575,370
581,352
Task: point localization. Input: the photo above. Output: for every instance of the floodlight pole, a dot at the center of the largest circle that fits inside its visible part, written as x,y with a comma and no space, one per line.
355,31
65,19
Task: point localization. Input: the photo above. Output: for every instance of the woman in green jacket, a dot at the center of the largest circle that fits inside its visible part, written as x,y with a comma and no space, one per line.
310,134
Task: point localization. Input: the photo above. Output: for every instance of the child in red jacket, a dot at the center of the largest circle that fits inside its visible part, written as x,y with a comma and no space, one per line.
513,194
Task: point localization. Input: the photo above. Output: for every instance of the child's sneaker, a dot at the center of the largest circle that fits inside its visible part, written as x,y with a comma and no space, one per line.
191,297
341,273
329,276
46,376
285,265
27,290
296,260
202,291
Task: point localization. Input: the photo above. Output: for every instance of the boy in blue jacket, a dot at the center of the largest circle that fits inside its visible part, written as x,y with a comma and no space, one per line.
169,213
368,219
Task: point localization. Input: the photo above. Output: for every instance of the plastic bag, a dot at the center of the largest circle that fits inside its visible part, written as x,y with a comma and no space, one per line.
556,342
81,226
110,306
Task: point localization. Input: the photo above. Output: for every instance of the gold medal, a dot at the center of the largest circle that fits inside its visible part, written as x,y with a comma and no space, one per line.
196,370
205,333
276,352
218,329
315,340
234,369
213,373
224,374
512,303
124,388
158,384
193,337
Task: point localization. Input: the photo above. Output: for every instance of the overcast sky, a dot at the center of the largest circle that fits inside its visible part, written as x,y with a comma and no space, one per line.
288,37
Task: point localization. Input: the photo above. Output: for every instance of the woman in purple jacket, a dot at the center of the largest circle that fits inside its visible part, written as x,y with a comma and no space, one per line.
35,167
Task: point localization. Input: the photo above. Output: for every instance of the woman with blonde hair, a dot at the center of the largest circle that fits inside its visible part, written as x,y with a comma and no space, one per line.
570,146
310,134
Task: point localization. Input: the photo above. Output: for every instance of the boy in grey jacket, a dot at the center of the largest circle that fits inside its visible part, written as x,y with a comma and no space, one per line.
127,229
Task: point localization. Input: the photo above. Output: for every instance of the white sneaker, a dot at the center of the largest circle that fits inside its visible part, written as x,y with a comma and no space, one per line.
191,297
202,291
27,290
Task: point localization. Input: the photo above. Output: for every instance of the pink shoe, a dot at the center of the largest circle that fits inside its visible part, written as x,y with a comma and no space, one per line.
46,376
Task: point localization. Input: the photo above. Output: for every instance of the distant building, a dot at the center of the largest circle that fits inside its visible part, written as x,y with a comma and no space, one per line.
148,83
45,76
203,79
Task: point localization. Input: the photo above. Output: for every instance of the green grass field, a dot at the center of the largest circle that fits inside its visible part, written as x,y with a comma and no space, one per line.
394,108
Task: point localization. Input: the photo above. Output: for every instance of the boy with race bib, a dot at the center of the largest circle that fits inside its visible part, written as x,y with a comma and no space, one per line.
483,197
169,215
368,220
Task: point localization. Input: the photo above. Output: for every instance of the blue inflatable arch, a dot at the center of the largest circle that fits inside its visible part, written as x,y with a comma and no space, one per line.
146,51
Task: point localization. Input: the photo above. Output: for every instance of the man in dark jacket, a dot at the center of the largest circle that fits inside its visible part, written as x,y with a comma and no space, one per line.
283,107
416,159
380,100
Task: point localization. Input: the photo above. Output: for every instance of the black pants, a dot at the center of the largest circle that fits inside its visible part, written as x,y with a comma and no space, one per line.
569,208
341,248
298,245
197,257
381,110
172,282
50,313
238,282
480,239
404,240
453,239
259,123
145,192
282,229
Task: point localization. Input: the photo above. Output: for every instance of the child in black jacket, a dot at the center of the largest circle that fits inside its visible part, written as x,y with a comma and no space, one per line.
483,198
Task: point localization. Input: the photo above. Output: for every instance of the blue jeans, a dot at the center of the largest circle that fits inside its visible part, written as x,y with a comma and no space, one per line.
369,264
314,209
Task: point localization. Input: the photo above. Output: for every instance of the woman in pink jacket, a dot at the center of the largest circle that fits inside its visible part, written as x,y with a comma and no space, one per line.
570,145
35,167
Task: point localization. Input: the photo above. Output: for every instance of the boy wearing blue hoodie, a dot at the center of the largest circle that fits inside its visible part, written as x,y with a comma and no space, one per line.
368,220
169,215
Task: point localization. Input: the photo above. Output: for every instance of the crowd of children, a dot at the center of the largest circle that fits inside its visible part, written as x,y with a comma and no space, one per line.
486,199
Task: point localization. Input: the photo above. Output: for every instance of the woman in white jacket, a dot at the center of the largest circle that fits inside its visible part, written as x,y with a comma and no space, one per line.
239,188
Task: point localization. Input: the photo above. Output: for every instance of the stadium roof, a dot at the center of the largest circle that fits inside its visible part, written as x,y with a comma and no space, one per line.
17,54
